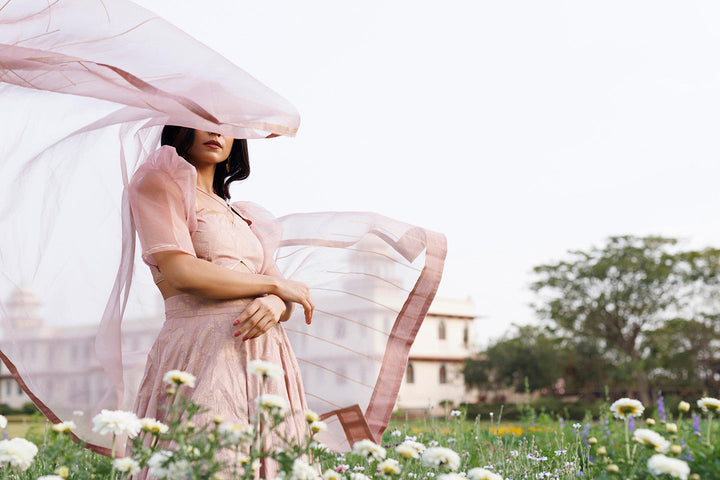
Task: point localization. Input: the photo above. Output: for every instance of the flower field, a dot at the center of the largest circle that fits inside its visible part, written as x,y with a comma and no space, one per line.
624,443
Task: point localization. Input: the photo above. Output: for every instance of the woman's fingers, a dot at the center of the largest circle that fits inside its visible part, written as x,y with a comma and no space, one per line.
259,316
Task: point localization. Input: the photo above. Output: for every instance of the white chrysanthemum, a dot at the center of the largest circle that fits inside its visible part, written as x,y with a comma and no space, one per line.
117,422
358,476
178,377
331,474
651,439
709,404
156,463
126,465
237,434
368,448
659,464
153,426
451,476
317,427
406,451
265,369
302,471
272,403
311,416
482,474
17,453
50,477
64,427
3,422
389,466
179,470
441,457
626,408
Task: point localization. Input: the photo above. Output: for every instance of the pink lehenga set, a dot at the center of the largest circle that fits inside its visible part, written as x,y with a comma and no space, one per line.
91,101
197,335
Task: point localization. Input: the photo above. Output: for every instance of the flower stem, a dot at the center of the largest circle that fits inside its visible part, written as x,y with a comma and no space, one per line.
709,427
627,438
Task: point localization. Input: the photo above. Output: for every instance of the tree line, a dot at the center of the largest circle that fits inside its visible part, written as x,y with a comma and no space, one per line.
637,315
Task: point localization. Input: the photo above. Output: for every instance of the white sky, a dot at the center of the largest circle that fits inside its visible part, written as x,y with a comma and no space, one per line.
520,129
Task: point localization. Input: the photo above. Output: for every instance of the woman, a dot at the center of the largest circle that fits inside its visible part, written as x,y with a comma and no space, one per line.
222,311
90,101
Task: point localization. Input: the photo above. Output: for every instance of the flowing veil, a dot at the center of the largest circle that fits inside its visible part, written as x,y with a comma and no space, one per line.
85,87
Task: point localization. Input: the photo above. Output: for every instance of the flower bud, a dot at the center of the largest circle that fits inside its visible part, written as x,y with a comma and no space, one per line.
671,428
170,391
217,419
694,476
675,449
684,406
62,471
601,450
613,468
650,421
592,440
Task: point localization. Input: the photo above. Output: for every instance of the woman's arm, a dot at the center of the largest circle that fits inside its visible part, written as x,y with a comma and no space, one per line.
189,274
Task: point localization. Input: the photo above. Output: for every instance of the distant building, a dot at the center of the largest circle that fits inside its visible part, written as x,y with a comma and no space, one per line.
434,372
62,359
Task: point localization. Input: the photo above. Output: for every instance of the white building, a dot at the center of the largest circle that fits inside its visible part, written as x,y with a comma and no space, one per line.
62,359
434,371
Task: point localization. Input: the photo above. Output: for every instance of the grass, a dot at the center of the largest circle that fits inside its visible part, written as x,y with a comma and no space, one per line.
537,447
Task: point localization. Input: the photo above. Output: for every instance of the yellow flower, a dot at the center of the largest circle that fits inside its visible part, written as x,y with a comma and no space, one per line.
64,427
62,471
671,428
592,440
311,416
612,468
178,377
601,450
626,408
652,439
709,404
389,467
676,449
317,427
684,406
650,421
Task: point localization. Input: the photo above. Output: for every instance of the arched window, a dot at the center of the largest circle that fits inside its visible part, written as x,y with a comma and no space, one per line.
443,374
441,331
410,374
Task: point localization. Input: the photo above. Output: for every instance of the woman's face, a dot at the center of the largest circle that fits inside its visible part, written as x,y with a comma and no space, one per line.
209,148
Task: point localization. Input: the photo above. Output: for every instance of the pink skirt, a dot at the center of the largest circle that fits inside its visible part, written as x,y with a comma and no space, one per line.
197,337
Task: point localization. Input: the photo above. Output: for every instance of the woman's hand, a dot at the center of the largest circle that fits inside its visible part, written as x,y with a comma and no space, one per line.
259,316
296,292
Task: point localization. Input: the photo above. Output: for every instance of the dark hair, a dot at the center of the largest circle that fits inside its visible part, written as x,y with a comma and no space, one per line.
239,162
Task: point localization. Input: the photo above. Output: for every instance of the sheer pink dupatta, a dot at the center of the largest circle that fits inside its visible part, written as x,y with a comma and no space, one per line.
372,280
87,86
90,84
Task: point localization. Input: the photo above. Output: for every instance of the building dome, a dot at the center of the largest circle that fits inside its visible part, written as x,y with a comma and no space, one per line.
22,308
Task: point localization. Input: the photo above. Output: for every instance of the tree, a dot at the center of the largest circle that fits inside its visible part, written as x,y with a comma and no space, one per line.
612,296
530,353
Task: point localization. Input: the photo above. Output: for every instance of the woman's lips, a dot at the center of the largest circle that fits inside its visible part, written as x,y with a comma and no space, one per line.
213,144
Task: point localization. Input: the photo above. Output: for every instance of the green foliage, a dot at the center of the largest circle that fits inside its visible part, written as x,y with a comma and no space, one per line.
637,314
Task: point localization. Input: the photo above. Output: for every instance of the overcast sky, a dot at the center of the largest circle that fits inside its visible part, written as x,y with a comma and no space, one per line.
520,129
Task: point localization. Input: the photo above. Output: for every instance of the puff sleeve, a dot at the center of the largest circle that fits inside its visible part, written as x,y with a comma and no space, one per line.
160,214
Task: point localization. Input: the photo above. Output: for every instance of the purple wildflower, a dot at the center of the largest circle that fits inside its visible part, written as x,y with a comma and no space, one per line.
631,423
661,407
696,425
